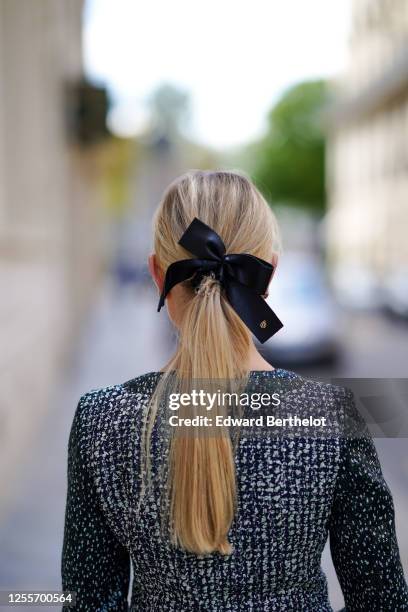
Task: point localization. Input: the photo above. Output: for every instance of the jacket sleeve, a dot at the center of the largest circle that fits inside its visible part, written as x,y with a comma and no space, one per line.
94,563
362,533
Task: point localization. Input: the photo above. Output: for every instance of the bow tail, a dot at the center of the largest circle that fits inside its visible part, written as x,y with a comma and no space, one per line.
253,310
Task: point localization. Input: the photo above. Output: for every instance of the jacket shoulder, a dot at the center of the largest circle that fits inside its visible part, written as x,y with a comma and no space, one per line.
309,388
111,412
309,397
109,400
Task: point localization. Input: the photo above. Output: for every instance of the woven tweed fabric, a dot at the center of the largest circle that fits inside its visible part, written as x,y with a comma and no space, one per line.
292,494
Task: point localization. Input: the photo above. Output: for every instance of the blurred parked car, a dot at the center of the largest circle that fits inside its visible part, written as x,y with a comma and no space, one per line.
356,287
300,296
395,293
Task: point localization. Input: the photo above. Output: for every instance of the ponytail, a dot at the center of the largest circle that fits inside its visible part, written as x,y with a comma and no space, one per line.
213,344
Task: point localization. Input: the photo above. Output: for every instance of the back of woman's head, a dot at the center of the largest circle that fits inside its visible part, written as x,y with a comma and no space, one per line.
213,343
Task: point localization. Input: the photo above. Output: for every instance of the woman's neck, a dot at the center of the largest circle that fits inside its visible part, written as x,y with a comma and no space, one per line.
256,361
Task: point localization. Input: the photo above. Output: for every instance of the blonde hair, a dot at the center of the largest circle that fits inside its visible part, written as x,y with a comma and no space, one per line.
213,343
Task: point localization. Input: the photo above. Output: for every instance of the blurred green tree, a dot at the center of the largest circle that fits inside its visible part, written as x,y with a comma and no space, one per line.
288,163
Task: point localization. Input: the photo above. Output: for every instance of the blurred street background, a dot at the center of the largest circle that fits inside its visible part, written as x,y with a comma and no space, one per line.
102,104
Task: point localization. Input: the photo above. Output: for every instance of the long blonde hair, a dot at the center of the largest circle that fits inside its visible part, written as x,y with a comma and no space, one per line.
213,343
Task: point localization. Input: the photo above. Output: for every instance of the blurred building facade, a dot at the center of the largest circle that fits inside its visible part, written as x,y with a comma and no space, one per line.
368,145
49,222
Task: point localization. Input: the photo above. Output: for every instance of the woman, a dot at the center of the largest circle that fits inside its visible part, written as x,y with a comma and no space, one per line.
208,522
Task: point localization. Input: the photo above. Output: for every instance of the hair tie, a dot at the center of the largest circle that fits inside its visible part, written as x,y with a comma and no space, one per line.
244,277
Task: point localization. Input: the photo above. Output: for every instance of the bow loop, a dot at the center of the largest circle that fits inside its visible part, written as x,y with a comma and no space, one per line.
249,270
202,241
244,277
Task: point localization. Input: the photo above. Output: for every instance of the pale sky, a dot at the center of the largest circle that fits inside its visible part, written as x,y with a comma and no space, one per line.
233,56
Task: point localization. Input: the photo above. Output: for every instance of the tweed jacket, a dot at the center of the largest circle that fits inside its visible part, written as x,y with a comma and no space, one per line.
293,493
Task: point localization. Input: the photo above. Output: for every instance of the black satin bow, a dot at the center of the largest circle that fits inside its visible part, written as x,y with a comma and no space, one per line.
244,277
